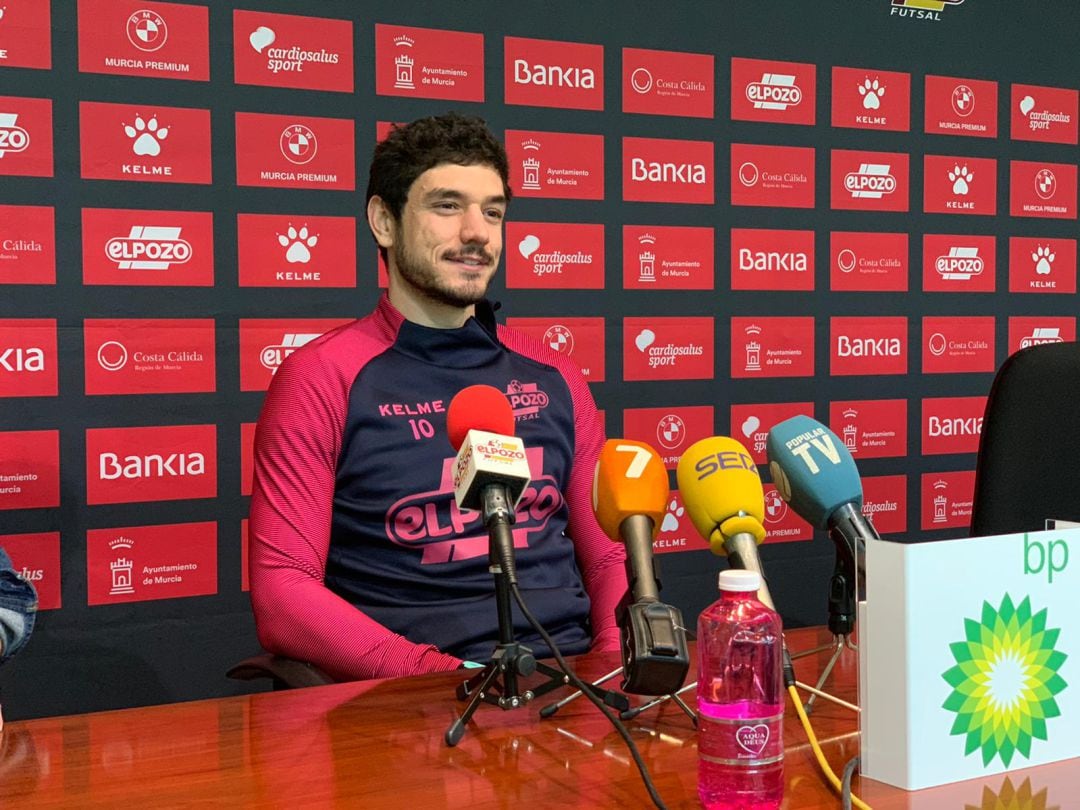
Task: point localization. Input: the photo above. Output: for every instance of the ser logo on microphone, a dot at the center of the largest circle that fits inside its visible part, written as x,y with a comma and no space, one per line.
726,460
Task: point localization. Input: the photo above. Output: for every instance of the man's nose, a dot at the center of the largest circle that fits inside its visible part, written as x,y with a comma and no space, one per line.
474,227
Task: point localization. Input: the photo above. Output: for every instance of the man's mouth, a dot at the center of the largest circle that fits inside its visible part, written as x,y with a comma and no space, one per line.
471,260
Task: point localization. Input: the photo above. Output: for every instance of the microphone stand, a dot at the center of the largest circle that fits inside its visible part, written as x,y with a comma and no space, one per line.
510,658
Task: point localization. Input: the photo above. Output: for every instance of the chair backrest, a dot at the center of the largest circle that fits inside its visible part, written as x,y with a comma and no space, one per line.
1028,467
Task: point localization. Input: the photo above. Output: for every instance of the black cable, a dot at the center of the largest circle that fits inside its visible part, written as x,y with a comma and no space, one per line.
845,785
585,690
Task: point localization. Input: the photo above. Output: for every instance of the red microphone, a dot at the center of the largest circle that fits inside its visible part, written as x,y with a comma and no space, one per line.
478,407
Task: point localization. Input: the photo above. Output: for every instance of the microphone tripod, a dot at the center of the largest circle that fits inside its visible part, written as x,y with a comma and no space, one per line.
511,658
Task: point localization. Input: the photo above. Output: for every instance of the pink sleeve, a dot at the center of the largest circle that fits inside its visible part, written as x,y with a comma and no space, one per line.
297,443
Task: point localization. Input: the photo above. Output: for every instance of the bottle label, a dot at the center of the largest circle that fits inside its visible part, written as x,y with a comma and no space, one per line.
745,741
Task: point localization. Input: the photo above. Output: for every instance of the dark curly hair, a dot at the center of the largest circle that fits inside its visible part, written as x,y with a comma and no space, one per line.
410,150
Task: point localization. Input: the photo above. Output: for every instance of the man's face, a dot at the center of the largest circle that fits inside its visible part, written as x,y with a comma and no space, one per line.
448,242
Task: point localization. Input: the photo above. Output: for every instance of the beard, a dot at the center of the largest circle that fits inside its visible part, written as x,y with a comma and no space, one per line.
424,278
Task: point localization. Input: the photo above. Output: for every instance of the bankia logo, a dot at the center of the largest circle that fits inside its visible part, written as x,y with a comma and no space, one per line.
957,344
288,151
137,38
947,499
277,250
667,257
26,35
144,356
147,248
772,260
773,91
28,357
868,262
549,73
868,345
750,424
957,106
168,463
670,430
1039,189
663,170
286,50
959,263
871,428
885,502
27,244
266,342
668,349
667,83
1042,265
30,469
143,143
554,255
428,63
772,176
921,10
36,558
869,181
562,165
951,424
959,185
580,339
864,98
1035,331
26,141
141,563
772,347
1045,114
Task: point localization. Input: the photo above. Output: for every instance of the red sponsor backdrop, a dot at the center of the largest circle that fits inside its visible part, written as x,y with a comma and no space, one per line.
36,558
547,73
556,164
277,250
663,170
27,244
295,151
951,424
25,37
885,502
247,457
667,257
772,347
869,181
26,136
961,107
668,349
772,175
866,98
782,524
863,345
138,38
554,255
670,430
147,248
957,344
959,185
946,499
286,50
581,339
1033,331
1038,189
1046,114
144,356
29,469
959,263
428,63
868,262
773,91
871,428
772,260
667,83
1042,265
677,532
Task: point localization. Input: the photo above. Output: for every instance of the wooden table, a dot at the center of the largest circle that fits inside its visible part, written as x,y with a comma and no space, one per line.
379,744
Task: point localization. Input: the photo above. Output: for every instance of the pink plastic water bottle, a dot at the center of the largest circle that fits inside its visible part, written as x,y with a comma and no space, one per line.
740,697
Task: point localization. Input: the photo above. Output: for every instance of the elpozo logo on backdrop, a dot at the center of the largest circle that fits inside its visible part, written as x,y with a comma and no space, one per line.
928,10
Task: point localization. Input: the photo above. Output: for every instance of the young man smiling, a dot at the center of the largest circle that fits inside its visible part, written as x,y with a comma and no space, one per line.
360,562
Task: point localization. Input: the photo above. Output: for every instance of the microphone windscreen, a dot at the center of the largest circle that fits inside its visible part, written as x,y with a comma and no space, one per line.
721,490
478,407
630,480
812,469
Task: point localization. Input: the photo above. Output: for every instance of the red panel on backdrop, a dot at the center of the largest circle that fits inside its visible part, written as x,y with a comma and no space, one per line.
772,176
247,457
28,357
29,469
868,262
871,428
865,98
782,524
870,345
668,349
428,63
947,499
750,424
670,430
1038,189
547,73
26,137
581,339
667,83
168,463
286,50
772,260
667,257
773,91
955,344
1034,331
280,250
663,170
563,165
772,347
1045,114
144,38
961,107
958,263
147,248
266,342
885,502
554,255
145,356
869,181
1042,265
677,532
295,151
951,424
27,244
959,185
26,36
36,558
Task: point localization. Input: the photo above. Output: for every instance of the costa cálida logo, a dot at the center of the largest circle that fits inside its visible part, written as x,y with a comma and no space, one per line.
1037,330
27,244
773,91
951,424
772,176
957,344
36,558
947,499
772,347
868,345
278,250
26,35
562,165
868,262
265,343
26,140
871,428
580,339
29,469
751,424
1042,265
169,463
428,63
1038,189
144,38
667,83
663,170
772,260
124,247
865,98
287,50
290,151
885,502
961,107
1044,114
28,357
549,73
668,349
667,257
959,263
869,181
554,255
144,143
959,185
144,356
142,563
670,430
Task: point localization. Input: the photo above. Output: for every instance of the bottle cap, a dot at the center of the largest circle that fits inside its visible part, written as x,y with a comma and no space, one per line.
736,579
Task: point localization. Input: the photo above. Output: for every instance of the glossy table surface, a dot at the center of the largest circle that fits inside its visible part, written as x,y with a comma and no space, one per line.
379,744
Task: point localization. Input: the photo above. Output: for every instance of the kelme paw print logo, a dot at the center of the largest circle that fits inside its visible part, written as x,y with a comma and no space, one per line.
299,244
871,91
671,519
960,178
1043,258
147,136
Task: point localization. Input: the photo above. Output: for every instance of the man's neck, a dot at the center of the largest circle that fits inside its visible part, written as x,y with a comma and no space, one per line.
424,311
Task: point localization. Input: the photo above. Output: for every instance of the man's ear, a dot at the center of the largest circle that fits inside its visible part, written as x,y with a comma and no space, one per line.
381,222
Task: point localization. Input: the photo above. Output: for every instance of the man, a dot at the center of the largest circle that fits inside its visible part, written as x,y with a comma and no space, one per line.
360,562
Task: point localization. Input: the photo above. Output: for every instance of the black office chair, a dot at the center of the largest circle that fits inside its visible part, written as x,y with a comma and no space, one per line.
284,673
1029,451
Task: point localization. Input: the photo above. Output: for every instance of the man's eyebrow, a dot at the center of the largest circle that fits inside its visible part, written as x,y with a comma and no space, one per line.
454,194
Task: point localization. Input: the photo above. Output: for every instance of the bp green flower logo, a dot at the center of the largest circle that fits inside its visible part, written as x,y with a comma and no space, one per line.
1004,681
